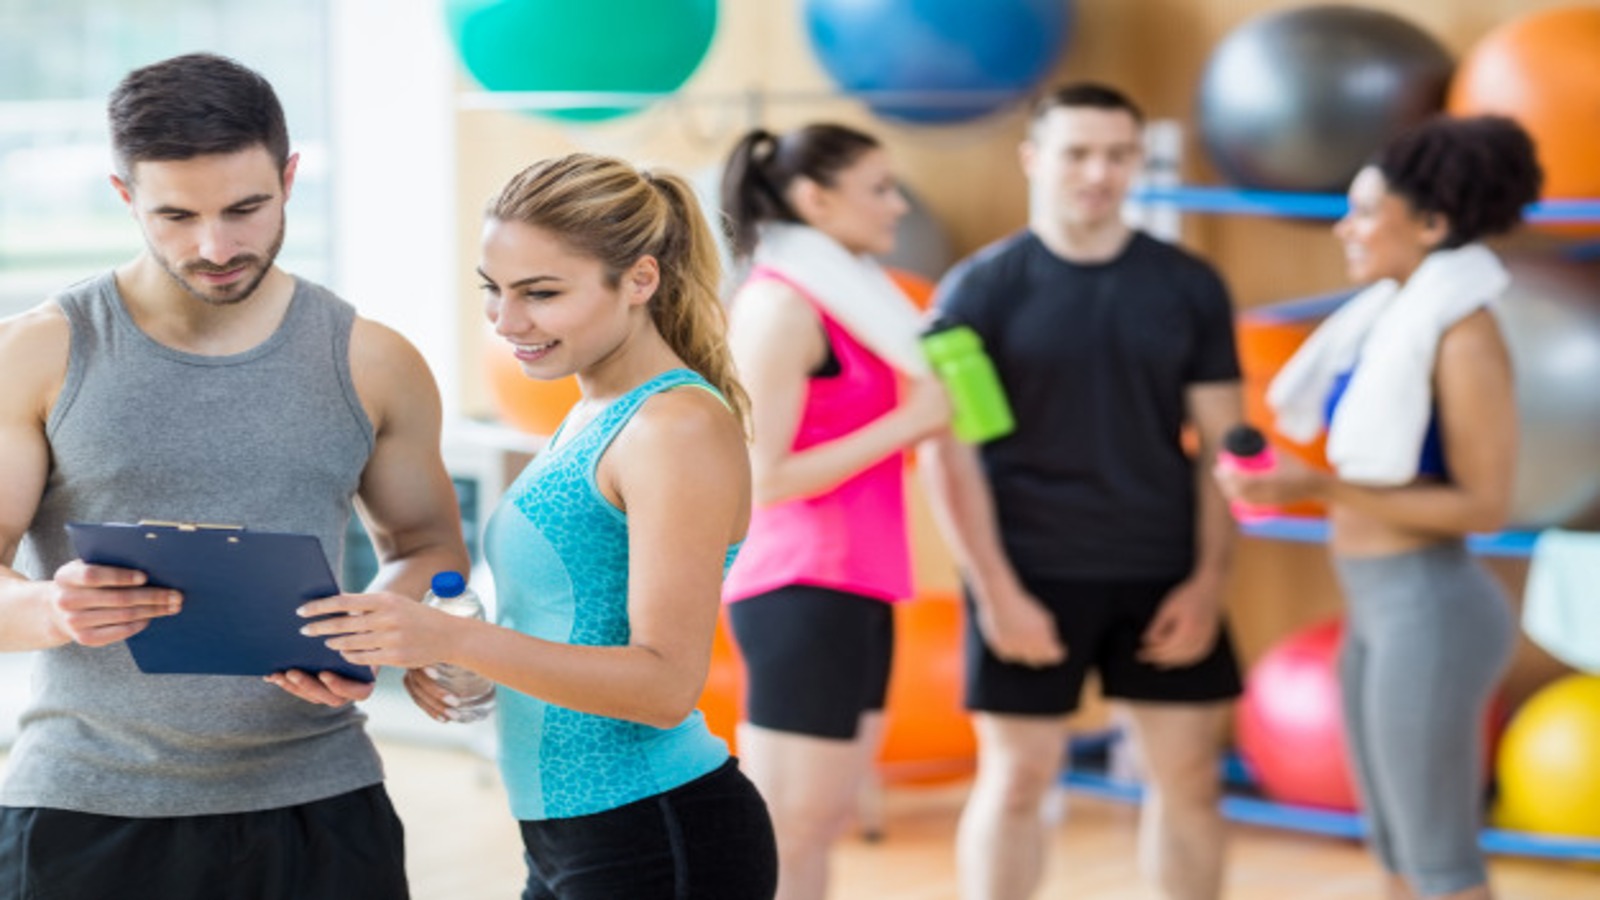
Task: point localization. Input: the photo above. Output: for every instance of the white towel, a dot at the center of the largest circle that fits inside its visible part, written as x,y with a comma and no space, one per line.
1561,603
1377,432
853,289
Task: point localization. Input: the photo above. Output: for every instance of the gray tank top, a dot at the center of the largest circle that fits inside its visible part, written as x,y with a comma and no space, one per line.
273,438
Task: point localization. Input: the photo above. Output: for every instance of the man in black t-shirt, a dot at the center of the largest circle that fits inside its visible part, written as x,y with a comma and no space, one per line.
1089,538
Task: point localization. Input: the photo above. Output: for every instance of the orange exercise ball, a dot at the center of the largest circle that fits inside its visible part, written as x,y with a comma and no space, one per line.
524,403
722,698
918,288
927,735
1543,70
1265,343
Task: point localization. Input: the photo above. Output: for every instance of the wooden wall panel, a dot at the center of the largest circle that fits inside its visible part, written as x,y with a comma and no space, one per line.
968,177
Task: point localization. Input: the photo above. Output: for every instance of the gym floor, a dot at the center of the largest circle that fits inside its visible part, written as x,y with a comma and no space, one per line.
462,845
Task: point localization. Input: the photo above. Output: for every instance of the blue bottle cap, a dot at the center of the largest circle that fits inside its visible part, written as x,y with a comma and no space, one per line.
448,584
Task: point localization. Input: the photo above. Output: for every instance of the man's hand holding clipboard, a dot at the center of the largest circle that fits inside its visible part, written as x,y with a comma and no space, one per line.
236,616
100,605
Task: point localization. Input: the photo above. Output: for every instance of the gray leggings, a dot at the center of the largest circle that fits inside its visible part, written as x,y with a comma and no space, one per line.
1428,635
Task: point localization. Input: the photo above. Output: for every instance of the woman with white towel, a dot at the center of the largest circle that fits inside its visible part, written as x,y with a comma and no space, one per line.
1412,380
826,346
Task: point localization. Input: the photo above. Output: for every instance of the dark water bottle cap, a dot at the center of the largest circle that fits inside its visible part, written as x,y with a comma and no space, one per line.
1243,440
448,584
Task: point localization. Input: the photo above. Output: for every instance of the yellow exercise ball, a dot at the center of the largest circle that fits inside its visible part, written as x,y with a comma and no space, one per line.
1549,782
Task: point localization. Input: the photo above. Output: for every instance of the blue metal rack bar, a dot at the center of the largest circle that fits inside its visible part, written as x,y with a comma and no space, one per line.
1247,810
1284,204
1307,530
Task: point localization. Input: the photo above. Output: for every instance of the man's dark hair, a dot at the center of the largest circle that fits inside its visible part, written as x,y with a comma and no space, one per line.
1477,172
1086,94
191,106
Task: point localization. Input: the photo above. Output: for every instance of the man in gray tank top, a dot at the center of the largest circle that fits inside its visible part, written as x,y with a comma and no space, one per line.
199,382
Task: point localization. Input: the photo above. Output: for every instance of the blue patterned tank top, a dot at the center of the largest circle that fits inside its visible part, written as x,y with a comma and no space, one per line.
559,552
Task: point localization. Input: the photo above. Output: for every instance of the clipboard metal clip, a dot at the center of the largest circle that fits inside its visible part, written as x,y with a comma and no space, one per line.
187,526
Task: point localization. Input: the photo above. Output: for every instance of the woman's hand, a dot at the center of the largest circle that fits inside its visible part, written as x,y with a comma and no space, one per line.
383,629
1288,481
429,695
925,407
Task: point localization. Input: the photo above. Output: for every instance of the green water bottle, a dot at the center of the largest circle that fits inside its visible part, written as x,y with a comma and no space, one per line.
978,403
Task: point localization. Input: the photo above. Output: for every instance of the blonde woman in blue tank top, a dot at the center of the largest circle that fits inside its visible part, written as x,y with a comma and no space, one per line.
609,550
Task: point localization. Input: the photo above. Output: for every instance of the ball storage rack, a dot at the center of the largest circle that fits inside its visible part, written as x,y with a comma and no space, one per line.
1244,804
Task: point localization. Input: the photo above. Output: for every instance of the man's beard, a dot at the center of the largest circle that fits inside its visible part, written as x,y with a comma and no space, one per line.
232,293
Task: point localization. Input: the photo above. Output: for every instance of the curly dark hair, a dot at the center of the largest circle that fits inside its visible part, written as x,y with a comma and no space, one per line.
1478,172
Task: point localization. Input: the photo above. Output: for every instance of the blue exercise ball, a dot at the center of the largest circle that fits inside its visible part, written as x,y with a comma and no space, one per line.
624,46
1298,100
1002,48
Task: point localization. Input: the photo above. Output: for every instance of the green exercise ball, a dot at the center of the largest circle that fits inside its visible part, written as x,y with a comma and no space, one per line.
632,46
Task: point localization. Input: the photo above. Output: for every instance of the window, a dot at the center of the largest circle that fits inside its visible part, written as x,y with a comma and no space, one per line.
60,221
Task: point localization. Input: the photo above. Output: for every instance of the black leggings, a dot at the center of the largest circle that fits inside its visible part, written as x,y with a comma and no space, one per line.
709,839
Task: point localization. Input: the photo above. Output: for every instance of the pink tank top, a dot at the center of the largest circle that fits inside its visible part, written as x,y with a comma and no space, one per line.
853,537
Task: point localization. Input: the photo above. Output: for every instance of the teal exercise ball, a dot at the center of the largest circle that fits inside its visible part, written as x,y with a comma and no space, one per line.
628,46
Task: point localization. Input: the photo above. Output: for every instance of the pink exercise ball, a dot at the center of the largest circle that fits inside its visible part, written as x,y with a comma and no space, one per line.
1289,725
1290,722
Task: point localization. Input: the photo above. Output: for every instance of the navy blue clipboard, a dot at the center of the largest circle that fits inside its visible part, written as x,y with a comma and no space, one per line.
240,591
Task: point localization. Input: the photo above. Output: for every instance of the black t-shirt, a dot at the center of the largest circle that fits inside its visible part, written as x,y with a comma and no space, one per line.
1094,483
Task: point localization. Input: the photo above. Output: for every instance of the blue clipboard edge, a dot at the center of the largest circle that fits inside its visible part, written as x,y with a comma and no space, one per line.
312,655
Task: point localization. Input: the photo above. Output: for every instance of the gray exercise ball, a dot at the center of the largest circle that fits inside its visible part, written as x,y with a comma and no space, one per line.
920,245
1298,100
1551,319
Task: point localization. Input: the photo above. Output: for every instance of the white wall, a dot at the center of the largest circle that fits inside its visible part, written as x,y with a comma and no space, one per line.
393,77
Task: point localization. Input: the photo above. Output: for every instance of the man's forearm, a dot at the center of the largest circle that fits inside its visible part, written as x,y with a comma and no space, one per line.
964,510
24,622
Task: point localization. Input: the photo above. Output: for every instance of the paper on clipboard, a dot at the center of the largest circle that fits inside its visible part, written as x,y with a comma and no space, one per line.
240,591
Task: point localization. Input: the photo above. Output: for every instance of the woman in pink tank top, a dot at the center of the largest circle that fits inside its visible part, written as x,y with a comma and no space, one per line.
827,551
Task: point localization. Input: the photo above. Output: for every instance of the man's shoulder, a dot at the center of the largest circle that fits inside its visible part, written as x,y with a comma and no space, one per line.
34,350
322,296
1000,254
989,267
1169,258
43,329
387,371
376,345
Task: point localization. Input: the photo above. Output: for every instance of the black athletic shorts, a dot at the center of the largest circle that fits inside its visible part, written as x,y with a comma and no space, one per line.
1101,624
815,658
710,839
348,847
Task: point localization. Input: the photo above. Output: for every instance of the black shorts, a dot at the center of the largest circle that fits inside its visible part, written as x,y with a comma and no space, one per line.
710,839
815,658
349,846
1101,624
